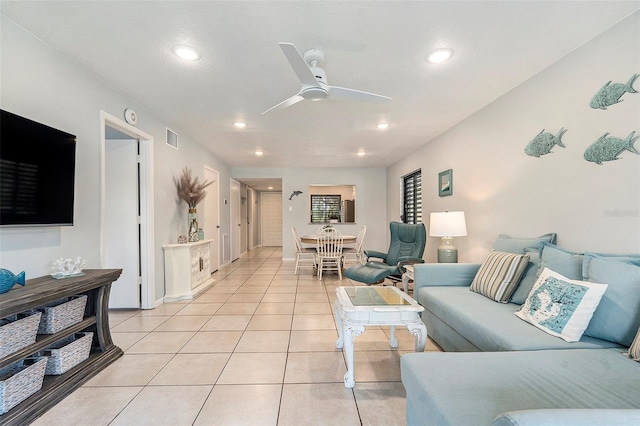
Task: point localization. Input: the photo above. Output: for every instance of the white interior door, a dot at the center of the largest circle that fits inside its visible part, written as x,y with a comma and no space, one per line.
250,221
211,226
121,221
271,218
235,219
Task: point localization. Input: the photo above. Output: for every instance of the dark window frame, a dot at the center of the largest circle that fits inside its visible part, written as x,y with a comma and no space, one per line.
412,197
324,206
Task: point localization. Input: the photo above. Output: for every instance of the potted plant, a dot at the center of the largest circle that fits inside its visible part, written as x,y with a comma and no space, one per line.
192,192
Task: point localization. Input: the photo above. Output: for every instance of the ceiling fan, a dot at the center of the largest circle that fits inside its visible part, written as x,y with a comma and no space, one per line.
314,81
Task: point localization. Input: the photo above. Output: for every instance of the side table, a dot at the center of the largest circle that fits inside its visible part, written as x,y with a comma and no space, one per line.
408,275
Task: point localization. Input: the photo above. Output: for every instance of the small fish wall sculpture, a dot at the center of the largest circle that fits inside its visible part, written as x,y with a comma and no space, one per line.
8,279
610,94
544,142
607,148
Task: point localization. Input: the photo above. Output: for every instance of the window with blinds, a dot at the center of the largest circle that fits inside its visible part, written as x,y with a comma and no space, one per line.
412,196
325,207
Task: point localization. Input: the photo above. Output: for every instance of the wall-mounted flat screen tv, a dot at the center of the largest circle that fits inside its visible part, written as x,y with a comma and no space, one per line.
37,170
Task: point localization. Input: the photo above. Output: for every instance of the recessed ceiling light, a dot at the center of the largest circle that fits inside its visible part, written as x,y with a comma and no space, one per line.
439,55
186,53
240,124
361,153
270,187
382,126
258,152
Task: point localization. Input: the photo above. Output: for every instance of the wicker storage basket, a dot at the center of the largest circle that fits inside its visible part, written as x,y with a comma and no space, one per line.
19,381
61,314
18,331
67,353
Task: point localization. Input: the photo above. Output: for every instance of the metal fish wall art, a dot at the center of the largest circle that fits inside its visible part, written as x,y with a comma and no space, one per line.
607,148
544,142
610,94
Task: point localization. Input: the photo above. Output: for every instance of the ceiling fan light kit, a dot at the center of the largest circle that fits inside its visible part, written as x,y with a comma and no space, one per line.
313,80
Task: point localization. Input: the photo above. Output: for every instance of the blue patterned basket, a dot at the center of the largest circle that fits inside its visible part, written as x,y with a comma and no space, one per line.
20,380
61,314
18,331
67,353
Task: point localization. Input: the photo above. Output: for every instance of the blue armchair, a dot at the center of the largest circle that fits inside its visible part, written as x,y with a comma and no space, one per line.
406,247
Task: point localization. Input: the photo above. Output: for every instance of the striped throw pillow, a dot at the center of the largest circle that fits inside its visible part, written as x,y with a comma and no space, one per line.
634,349
499,275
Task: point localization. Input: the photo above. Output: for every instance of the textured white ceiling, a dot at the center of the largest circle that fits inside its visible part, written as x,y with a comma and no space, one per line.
373,46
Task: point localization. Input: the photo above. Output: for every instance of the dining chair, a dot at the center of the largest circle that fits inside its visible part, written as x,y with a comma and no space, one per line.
329,248
303,254
328,230
355,254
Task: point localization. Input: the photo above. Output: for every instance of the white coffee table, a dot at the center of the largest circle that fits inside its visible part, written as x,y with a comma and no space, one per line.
357,307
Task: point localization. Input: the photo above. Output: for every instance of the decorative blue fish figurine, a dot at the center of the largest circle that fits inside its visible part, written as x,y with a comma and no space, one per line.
8,279
543,142
610,94
608,148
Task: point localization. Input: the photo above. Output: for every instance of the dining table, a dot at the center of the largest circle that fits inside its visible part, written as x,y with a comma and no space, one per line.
313,239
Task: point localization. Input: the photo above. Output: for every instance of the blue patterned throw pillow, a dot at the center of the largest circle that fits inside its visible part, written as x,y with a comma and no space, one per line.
560,306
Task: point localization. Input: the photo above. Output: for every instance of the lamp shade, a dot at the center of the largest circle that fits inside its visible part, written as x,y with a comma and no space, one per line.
447,224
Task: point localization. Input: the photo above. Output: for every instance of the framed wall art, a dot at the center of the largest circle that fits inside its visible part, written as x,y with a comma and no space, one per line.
445,183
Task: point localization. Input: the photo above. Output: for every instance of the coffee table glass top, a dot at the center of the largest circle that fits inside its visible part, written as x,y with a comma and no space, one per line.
375,296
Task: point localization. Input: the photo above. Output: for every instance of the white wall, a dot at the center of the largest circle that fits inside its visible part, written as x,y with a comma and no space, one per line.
42,85
502,190
370,201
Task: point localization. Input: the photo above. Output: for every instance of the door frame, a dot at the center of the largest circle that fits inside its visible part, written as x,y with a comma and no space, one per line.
262,219
147,244
234,226
217,239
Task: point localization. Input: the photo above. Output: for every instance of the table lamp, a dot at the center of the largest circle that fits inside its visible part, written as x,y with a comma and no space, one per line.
447,225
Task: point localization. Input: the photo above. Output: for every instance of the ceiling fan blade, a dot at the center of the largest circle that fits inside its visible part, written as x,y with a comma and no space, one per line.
299,65
286,103
342,93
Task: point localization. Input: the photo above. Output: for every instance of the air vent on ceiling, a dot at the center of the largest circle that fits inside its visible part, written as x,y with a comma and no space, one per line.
172,138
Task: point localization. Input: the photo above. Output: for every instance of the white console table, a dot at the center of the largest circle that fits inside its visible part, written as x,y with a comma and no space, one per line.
187,269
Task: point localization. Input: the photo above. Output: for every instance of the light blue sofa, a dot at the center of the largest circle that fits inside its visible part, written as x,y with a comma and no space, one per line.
498,368
460,320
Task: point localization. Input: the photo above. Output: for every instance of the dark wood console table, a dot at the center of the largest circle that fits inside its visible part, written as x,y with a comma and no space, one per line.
96,284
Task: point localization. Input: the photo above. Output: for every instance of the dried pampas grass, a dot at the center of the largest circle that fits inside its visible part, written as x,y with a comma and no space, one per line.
189,189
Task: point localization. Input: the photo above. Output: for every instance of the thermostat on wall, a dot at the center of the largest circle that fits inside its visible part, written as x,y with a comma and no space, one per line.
130,116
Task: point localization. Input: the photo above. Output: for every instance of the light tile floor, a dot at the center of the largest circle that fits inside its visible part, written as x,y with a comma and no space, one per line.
256,348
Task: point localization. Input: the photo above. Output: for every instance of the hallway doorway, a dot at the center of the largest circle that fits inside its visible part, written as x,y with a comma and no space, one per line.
126,213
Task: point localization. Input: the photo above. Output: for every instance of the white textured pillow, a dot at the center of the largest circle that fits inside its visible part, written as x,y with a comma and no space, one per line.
560,306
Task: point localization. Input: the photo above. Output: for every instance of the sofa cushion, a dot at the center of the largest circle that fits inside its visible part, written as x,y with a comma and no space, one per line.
519,245
487,325
569,417
562,261
528,278
473,388
631,259
634,349
618,315
499,275
561,307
